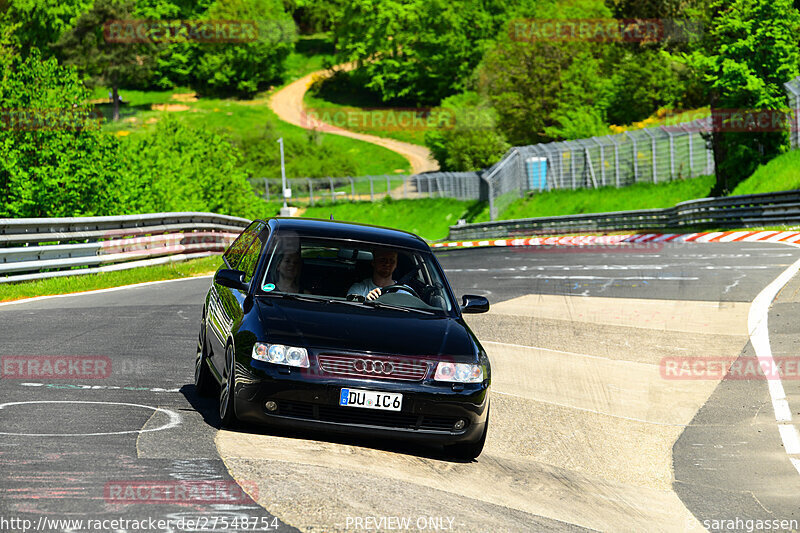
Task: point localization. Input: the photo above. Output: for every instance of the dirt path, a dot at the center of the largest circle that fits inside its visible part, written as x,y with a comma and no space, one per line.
287,103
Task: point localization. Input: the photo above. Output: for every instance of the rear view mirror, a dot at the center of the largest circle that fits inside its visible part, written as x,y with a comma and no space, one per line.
474,304
233,279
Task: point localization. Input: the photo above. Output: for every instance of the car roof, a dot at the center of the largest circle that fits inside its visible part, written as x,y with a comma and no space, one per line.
313,227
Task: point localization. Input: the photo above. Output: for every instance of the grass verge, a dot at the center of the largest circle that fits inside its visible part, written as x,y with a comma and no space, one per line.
90,282
780,174
430,218
605,199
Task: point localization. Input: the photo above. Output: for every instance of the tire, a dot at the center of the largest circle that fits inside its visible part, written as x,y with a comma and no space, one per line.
469,450
227,413
203,380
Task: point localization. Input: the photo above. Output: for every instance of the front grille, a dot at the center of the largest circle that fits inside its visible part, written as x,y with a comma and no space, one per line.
366,417
372,367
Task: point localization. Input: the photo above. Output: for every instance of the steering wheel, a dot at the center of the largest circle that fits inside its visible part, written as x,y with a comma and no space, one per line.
399,287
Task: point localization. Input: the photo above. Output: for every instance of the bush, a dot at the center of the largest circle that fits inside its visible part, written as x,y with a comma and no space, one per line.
245,68
55,162
466,138
182,168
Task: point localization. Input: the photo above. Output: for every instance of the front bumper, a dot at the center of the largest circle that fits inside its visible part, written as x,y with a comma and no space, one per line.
311,402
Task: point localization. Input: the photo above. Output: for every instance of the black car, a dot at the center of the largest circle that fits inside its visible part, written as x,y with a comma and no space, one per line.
294,334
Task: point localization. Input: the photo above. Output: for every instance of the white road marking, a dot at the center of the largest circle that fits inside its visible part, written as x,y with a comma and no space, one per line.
174,419
759,338
100,291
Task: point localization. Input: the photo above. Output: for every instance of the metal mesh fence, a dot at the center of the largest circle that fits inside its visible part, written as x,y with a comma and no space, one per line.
461,185
650,155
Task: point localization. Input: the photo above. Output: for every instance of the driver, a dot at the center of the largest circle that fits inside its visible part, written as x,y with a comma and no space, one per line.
384,262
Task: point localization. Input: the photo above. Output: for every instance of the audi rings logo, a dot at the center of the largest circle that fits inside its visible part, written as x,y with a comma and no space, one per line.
369,366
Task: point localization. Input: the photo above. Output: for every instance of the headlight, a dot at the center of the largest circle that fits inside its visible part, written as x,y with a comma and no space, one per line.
459,373
280,355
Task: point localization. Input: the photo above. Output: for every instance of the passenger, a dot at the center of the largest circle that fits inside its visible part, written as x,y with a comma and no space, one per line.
287,273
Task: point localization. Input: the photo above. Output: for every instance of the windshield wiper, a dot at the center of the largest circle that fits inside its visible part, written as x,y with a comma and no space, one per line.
382,305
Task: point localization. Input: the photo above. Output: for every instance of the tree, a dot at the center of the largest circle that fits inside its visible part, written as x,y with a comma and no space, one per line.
751,51
40,23
245,68
417,51
54,160
106,61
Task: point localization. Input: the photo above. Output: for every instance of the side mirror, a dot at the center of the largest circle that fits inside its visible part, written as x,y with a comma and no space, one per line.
233,279
474,304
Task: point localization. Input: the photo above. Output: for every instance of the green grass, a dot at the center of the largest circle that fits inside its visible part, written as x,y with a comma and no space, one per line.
430,218
605,199
780,174
366,119
89,282
311,53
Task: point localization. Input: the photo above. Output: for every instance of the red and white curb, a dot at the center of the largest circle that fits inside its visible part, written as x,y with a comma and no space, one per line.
588,240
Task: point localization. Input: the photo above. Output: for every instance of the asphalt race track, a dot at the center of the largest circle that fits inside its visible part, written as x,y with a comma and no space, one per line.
589,429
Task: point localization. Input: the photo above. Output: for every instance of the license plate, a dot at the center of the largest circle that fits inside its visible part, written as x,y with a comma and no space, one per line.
387,401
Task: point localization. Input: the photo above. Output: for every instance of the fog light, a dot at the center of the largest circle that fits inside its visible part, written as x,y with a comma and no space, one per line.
460,423
271,406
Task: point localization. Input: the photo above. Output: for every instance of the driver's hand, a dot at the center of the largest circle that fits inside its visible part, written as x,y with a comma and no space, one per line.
373,294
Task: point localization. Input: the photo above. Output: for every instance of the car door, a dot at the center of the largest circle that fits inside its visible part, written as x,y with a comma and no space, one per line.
223,301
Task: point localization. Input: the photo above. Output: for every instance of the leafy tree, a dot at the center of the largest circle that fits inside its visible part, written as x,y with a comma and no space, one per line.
108,63
181,168
750,52
54,161
466,137
417,51
40,23
245,68
313,16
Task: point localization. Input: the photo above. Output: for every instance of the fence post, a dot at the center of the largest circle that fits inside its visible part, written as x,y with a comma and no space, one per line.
311,191
405,186
691,154
671,154
572,164
333,192
352,190
388,185
371,190
653,143
266,188
602,160
635,157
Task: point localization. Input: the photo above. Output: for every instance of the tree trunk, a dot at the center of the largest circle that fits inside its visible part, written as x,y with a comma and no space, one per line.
719,151
115,97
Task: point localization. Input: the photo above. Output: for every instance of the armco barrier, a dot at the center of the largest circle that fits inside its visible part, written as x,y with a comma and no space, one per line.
35,248
752,210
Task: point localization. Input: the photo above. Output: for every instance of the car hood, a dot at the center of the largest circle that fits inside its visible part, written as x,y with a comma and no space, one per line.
342,327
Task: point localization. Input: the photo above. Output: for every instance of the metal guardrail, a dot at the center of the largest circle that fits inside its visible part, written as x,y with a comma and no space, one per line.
36,248
766,209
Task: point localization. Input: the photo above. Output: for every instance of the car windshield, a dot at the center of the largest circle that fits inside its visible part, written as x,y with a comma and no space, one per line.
346,271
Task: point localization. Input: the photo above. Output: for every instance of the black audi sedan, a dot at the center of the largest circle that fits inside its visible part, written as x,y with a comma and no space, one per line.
345,328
